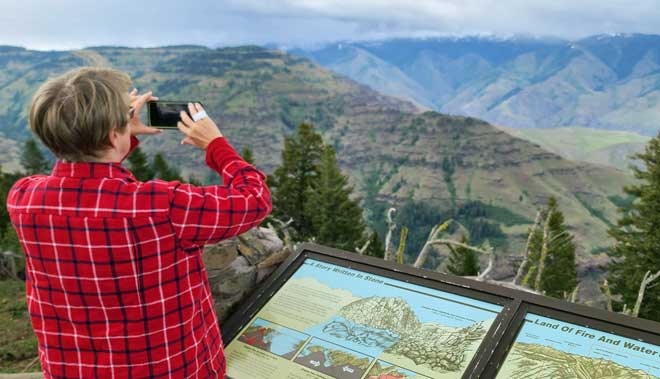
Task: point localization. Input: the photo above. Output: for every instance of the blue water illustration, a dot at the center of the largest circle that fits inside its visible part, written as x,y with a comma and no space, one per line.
593,343
371,341
282,340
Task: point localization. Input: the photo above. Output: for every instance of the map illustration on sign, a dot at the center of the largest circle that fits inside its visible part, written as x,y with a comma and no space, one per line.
359,324
276,339
389,325
549,348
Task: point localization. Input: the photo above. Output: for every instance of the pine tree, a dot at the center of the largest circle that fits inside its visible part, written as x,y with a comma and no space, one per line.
638,237
463,261
33,160
336,219
139,166
376,247
162,170
290,182
559,275
247,155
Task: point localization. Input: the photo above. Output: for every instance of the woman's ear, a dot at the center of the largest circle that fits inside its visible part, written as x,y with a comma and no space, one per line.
113,137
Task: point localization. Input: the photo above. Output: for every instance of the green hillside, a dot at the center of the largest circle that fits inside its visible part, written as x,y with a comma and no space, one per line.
390,149
606,147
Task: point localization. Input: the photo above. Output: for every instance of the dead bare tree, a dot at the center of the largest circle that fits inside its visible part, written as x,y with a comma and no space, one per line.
433,235
605,288
388,237
643,285
8,265
519,273
573,295
432,241
361,250
648,278
491,262
402,245
284,228
544,252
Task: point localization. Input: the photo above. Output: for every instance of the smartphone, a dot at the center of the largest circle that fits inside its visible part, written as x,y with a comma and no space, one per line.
165,114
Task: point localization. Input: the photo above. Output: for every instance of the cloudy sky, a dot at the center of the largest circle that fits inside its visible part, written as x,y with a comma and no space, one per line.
70,24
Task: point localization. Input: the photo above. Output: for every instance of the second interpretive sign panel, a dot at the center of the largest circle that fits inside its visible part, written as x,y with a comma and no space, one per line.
330,321
550,348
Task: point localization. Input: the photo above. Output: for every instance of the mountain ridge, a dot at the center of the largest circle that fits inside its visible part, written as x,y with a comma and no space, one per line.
259,96
606,82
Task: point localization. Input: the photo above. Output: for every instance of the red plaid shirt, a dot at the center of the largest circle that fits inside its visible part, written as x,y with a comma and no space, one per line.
116,287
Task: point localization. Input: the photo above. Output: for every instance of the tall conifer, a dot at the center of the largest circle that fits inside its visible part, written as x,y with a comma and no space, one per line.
336,218
638,237
559,275
292,179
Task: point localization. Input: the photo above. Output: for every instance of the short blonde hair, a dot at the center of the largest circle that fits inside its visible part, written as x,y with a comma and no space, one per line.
74,113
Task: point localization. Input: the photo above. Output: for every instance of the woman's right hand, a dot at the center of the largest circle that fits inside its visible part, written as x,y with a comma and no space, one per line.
198,133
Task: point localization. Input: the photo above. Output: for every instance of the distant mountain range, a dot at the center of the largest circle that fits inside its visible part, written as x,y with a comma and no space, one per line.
392,150
606,82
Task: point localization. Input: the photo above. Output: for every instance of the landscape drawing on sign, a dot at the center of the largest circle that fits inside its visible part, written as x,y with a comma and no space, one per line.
274,338
428,332
347,323
384,370
549,348
333,360
425,330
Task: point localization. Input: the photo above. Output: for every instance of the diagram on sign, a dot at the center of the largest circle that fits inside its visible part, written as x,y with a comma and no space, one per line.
548,348
384,370
333,360
273,338
391,325
345,323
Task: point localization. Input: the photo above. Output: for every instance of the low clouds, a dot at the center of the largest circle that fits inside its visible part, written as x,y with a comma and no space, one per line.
75,23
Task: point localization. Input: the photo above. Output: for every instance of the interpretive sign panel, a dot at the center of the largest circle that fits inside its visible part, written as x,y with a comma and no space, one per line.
549,348
329,321
327,313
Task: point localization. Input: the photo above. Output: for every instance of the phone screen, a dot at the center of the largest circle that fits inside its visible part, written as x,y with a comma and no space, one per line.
165,114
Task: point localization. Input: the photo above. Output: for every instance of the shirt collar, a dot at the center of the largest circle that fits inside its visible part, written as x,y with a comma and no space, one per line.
91,170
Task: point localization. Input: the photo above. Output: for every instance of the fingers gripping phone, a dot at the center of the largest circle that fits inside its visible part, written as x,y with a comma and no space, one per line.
165,114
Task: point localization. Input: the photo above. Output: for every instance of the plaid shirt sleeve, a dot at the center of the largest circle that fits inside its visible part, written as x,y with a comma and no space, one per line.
209,214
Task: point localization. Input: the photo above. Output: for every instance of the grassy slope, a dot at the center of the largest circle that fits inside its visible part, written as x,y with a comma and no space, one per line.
606,147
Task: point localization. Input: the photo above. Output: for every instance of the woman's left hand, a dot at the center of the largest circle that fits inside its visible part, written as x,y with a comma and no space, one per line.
136,125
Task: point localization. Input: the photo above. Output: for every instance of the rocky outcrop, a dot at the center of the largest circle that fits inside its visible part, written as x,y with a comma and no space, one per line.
236,266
